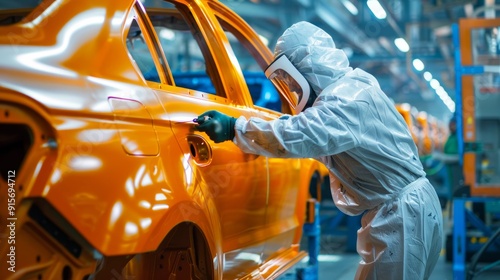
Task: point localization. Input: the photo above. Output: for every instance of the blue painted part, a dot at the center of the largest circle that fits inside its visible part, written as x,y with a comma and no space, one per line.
458,90
460,70
307,273
332,225
475,221
480,199
480,225
289,276
353,225
334,221
460,216
313,232
459,235
472,70
263,93
475,247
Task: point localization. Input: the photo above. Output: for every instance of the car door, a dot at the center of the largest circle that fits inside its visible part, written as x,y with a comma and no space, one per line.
233,183
282,221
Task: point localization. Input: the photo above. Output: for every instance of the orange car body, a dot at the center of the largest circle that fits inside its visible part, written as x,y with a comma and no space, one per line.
437,135
102,172
427,139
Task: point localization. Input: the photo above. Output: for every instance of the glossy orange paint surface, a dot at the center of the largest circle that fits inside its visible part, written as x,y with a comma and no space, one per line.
427,139
428,134
113,171
409,115
471,91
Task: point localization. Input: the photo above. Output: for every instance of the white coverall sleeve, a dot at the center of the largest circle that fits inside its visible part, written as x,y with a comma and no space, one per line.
327,128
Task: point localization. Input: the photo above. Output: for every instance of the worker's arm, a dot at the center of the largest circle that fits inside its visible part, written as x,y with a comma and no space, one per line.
331,126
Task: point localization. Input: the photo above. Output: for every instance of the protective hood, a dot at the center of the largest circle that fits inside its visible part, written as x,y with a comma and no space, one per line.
312,51
298,93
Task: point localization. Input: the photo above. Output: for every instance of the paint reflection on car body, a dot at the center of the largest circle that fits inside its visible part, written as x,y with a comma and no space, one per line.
113,179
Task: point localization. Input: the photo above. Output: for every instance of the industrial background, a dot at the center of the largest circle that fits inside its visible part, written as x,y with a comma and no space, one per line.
426,26
435,59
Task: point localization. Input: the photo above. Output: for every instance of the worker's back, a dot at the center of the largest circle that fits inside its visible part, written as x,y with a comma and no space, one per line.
384,159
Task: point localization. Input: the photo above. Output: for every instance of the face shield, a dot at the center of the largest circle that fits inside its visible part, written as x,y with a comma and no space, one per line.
281,70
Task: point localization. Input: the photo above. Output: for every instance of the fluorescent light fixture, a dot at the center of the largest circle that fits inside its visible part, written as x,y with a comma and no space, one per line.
451,105
350,7
441,92
376,9
418,64
434,83
264,40
443,95
401,44
427,76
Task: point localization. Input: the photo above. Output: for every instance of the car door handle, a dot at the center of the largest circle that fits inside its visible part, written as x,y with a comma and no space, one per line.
200,149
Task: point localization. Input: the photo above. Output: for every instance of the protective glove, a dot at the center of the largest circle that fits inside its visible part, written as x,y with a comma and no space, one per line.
216,125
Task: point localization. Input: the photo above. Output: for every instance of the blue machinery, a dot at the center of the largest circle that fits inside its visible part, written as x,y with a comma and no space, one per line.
461,242
463,218
337,224
340,224
312,231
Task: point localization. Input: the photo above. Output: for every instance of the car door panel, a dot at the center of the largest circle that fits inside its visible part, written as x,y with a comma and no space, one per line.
115,167
233,183
286,185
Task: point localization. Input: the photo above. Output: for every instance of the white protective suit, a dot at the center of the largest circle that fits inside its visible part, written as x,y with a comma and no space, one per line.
355,130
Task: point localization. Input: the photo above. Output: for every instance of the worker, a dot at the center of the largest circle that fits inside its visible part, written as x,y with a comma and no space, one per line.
451,160
343,118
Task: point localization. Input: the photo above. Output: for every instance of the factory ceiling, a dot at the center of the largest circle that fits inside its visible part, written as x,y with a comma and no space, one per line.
426,25
369,41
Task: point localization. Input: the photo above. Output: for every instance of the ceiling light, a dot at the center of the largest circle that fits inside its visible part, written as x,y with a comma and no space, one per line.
401,44
441,92
443,95
427,76
376,9
350,7
434,83
418,64
451,105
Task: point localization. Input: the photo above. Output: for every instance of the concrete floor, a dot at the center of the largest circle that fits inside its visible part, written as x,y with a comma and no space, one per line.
343,267
337,263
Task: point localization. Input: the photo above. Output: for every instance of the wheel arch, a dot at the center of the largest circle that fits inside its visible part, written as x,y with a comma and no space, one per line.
189,248
189,215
